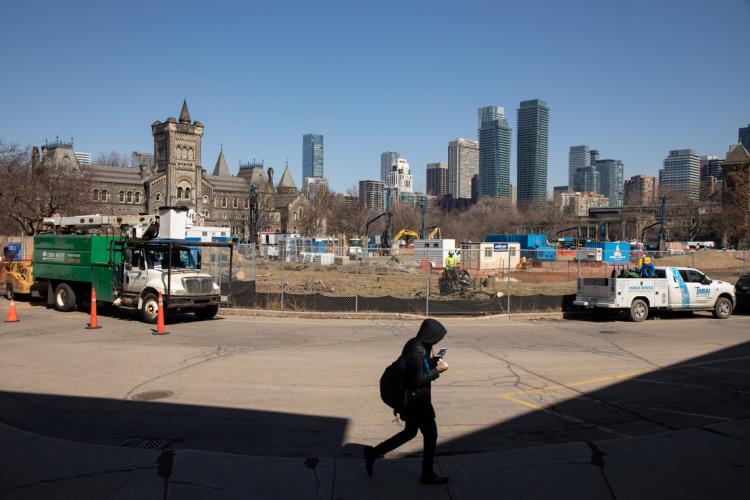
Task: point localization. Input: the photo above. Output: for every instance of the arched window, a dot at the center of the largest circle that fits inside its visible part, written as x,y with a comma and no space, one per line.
187,193
224,202
179,192
247,202
105,195
205,199
158,196
95,195
122,196
190,154
137,197
235,203
130,197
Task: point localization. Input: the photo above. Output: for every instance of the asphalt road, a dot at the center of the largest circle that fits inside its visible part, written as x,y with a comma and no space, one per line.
297,387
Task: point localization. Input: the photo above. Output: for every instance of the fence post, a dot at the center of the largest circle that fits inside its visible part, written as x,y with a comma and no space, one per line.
356,282
692,259
507,295
282,258
427,297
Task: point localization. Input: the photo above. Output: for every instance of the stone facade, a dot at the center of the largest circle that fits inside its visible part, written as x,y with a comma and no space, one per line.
178,178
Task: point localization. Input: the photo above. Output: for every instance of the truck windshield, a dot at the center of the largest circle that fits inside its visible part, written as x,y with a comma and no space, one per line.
182,258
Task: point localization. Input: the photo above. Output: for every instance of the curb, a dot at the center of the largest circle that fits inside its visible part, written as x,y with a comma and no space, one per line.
263,313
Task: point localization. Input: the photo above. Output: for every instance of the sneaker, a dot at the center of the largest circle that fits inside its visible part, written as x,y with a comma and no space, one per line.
432,478
370,456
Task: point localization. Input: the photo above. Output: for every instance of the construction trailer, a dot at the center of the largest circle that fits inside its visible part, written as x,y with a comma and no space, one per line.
533,246
434,252
490,257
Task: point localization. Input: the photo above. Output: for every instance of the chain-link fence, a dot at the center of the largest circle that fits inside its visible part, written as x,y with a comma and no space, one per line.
488,278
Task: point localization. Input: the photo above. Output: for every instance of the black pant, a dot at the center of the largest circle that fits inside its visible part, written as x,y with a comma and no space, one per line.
424,423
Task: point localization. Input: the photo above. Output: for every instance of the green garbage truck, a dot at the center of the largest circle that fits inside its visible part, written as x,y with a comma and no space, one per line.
126,272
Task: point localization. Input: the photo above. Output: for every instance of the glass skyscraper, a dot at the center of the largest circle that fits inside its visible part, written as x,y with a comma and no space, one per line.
578,157
611,181
494,152
533,133
312,156
744,137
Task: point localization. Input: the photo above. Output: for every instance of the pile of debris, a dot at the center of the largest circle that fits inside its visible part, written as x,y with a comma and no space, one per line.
308,286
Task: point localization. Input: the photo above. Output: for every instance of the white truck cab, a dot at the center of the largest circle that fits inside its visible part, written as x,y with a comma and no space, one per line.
671,288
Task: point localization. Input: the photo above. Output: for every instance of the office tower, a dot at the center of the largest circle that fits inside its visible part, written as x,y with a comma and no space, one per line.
312,156
437,179
138,158
372,195
578,157
494,152
387,160
400,178
83,158
587,180
641,190
531,153
463,165
744,136
710,167
611,180
681,174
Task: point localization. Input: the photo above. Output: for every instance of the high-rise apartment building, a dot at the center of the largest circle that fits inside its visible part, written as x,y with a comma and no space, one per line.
463,165
312,156
744,136
437,179
494,152
312,186
641,190
611,180
532,152
593,156
138,158
400,178
387,160
85,158
578,157
580,203
587,180
372,195
681,174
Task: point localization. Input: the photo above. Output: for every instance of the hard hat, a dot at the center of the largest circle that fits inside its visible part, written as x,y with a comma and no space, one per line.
450,252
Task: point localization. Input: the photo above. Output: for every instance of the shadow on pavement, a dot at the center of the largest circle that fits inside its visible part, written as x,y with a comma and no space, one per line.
705,390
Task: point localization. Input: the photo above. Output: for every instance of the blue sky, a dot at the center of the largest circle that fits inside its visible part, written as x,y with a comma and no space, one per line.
633,79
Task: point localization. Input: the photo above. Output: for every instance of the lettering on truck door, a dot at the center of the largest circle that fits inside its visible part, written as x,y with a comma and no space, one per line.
679,293
700,293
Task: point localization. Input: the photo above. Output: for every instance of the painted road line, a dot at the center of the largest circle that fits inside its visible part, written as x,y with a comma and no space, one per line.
609,378
564,416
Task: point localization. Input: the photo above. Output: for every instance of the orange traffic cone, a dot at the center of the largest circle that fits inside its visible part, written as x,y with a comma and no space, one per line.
92,324
12,316
160,319
423,265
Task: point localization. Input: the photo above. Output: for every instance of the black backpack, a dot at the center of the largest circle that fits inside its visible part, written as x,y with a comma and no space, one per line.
392,390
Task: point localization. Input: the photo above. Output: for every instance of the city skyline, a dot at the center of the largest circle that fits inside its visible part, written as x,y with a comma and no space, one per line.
637,117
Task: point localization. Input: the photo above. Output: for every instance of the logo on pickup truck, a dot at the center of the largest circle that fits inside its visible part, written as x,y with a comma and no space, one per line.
704,291
640,288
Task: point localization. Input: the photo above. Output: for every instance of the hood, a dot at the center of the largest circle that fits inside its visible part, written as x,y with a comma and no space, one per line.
431,332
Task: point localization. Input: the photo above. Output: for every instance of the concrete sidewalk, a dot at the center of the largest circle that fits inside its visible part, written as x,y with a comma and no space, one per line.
710,462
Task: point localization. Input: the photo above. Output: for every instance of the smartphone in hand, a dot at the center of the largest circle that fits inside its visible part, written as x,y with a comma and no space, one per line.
441,352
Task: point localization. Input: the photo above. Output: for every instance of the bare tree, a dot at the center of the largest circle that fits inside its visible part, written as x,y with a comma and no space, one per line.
28,195
353,217
112,159
736,206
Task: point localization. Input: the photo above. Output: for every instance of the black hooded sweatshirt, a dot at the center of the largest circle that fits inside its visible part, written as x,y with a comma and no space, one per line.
419,369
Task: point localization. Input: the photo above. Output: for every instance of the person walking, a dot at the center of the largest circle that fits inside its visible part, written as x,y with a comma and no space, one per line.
420,369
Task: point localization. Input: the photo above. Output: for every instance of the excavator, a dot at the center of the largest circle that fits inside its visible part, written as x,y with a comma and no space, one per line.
404,234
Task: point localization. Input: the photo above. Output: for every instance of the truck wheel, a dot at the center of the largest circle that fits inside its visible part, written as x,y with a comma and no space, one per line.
206,312
150,308
65,298
638,311
722,308
9,291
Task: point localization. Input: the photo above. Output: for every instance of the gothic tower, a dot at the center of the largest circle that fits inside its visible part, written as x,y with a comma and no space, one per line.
177,162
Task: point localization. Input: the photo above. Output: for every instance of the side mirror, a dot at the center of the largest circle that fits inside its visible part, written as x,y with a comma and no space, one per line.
706,281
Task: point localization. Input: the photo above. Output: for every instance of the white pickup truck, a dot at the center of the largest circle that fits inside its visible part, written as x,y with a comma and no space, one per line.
672,288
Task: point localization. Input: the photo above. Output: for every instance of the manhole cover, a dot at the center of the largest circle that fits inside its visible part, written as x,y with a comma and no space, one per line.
152,395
